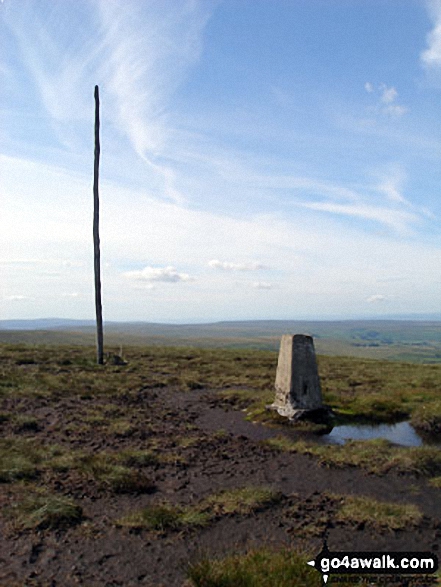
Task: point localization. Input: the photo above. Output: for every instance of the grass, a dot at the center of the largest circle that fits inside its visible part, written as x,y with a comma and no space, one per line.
111,404
436,482
118,478
41,511
24,423
257,568
166,516
360,390
427,418
242,501
19,460
378,514
25,460
375,456
136,458
356,388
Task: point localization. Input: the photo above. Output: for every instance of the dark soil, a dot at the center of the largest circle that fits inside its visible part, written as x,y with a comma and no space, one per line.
195,459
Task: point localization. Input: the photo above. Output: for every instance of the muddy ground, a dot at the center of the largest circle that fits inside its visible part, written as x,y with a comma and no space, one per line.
221,450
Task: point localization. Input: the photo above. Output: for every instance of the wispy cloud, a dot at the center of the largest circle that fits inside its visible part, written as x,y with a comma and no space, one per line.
17,298
149,48
398,220
137,52
391,183
167,274
377,298
386,99
382,202
391,187
262,285
53,262
228,266
431,57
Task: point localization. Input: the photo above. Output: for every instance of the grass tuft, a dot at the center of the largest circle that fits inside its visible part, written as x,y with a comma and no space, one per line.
243,500
115,477
375,456
436,482
48,511
427,418
381,515
165,516
257,568
18,460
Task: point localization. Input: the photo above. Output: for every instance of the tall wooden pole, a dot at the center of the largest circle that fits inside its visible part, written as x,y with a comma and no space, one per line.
96,235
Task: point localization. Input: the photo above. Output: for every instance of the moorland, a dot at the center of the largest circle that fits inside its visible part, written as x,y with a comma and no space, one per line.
402,340
170,471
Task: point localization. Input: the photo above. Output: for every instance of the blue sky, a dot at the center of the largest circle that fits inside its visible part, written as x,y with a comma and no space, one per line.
259,159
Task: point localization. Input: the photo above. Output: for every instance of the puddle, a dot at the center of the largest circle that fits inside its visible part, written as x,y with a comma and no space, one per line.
402,433
234,422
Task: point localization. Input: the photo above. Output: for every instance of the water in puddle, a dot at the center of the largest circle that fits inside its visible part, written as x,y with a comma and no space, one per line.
402,433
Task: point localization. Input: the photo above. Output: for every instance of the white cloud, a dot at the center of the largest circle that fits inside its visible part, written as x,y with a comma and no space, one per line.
395,110
228,266
387,97
71,295
17,298
262,285
431,57
320,278
388,94
166,274
376,298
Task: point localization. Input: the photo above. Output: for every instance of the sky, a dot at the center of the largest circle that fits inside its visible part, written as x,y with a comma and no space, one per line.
260,159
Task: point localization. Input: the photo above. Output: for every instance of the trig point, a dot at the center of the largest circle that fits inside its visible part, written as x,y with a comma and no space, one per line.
298,392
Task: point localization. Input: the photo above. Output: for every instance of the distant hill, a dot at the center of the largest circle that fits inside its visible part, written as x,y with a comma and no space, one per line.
44,324
406,340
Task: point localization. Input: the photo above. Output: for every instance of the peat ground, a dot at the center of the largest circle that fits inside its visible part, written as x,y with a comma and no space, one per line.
126,475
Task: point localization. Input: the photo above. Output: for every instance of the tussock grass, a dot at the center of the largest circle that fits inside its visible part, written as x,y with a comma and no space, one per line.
48,511
19,460
256,568
243,500
356,388
136,458
436,482
118,478
427,418
166,516
378,514
121,428
376,456
119,472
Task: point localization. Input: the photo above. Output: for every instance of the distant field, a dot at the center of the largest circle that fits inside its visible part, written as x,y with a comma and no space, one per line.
414,341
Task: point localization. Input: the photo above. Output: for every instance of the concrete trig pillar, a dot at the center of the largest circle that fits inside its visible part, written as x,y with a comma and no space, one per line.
297,381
